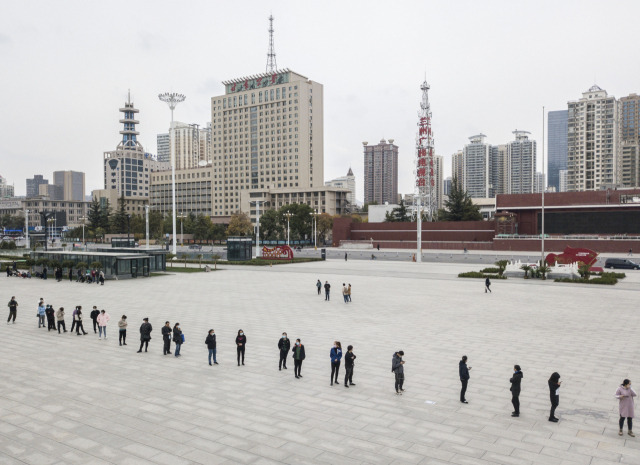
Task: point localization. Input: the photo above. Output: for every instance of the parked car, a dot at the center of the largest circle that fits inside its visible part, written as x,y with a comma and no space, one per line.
621,263
195,247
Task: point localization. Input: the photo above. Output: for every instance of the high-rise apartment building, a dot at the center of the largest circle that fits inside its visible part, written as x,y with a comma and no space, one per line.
71,183
447,185
438,167
563,180
629,140
457,168
538,183
557,146
6,190
592,134
521,160
164,147
346,182
190,145
477,167
266,132
33,189
499,180
381,172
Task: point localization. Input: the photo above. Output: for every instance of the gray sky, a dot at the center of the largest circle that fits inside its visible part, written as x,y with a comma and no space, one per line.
491,65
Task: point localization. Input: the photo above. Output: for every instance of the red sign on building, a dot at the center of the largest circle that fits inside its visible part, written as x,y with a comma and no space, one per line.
279,252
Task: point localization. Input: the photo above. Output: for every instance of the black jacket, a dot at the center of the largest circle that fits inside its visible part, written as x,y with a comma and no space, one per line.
145,331
327,287
349,357
302,354
463,370
284,345
241,340
515,383
177,335
94,314
166,333
210,341
553,387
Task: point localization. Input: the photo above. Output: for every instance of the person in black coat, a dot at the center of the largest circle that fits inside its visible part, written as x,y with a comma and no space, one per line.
177,338
51,318
298,357
515,381
145,334
327,290
464,378
487,285
210,341
284,344
349,359
554,387
94,316
241,342
166,338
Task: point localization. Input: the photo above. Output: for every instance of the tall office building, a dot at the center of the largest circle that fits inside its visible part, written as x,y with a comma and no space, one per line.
499,180
592,134
538,183
557,146
71,183
33,185
446,185
457,168
164,147
190,145
521,169
563,180
346,182
267,133
6,190
381,172
629,140
477,167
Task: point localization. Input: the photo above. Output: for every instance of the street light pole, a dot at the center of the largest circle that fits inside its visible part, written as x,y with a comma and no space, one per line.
26,229
258,251
172,99
146,210
288,215
543,185
128,226
83,220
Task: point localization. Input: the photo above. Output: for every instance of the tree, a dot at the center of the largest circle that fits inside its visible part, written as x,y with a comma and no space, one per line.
202,228
218,232
398,214
526,269
105,216
240,225
95,215
300,221
459,206
502,265
156,224
270,227
324,225
119,221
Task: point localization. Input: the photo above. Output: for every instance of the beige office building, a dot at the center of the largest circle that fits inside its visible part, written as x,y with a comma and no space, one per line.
266,133
190,144
323,199
346,182
72,184
457,168
629,140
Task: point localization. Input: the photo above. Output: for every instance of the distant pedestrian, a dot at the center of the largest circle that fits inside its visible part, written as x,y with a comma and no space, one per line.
73,317
94,317
319,286
327,290
166,338
349,359
210,341
284,345
60,318
103,319
349,293
51,318
44,272
145,334
516,381
122,330
487,285
58,274
177,338
630,252
336,356
397,367
13,309
298,357
241,342
378,247
78,320
42,309
463,371
344,293
70,274
554,394
345,256
101,277
625,394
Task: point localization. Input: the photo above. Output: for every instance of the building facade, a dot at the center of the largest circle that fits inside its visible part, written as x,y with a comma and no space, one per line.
457,168
521,169
346,182
592,134
33,189
629,140
194,191
164,147
6,190
500,169
477,167
438,162
72,184
65,213
267,132
563,180
190,145
556,145
381,172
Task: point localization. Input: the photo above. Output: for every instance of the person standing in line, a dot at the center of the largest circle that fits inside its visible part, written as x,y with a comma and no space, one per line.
177,338
44,272
298,357
515,381
284,344
397,367
487,285
210,341
319,286
78,320
349,359
336,355
94,317
349,293
60,318
345,256
42,311
464,378
73,317
70,274
101,277
145,334
51,318
625,395
122,330
327,290
630,252
344,293
241,342
103,319
13,309
554,394
166,338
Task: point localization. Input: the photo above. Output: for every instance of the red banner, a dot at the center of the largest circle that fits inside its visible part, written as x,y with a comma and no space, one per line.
279,252
573,255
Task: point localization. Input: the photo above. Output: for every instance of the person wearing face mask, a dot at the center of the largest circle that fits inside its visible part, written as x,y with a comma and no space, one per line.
298,357
210,341
284,345
166,338
177,338
336,355
625,395
463,371
554,394
349,358
241,342
397,367
515,381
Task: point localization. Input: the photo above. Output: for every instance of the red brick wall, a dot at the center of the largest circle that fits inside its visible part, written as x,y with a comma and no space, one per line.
558,245
604,198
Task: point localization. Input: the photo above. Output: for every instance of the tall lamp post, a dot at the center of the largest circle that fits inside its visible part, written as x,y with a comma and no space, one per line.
26,229
146,211
172,99
542,187
128,226
315,228
51,222
83,220
258,251
181,216
288,215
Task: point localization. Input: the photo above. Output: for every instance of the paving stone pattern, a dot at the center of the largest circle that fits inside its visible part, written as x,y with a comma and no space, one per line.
67,399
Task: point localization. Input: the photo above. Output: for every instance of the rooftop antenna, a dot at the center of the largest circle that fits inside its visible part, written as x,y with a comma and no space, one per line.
271,56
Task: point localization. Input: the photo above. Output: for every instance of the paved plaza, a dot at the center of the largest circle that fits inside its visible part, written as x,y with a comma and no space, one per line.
67,399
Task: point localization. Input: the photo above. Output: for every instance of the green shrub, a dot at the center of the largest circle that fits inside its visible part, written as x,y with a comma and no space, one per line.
8,245
608,280
479,274
612,274
492,270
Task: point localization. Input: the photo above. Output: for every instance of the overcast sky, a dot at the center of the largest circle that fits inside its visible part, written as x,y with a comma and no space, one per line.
491,65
